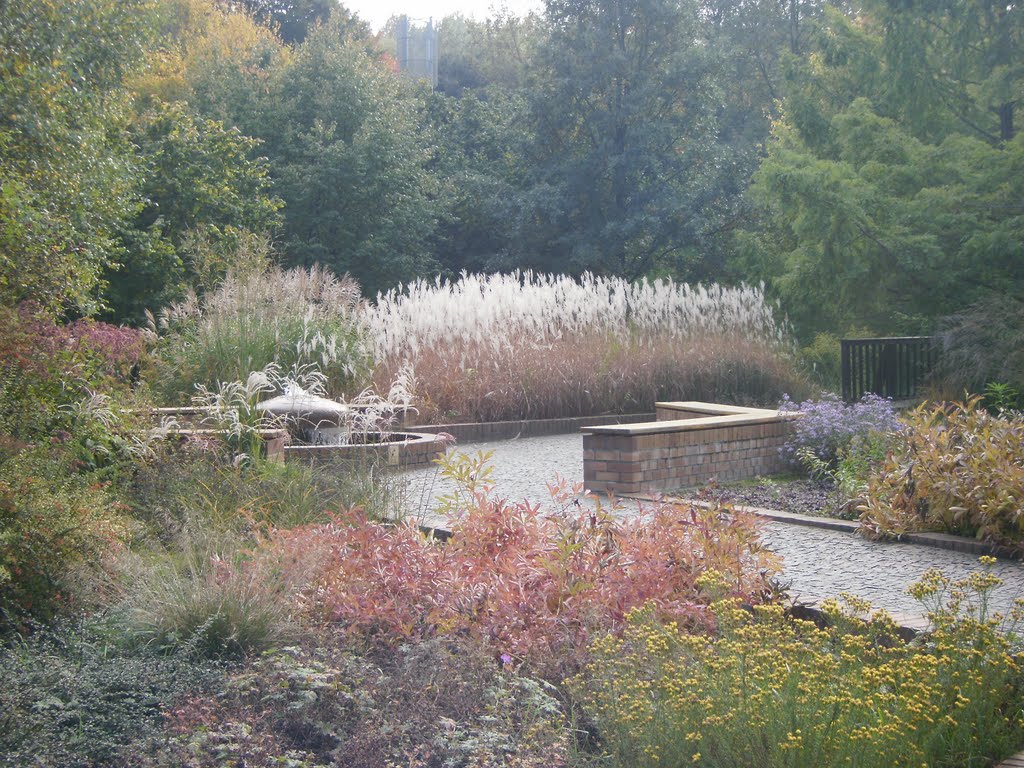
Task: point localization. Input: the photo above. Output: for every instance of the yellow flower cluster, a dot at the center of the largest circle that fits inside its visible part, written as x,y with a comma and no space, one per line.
769,690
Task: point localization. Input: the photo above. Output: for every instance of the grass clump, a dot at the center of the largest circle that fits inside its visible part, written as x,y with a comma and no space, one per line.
216,606
193,584
520,346
768,690
293,318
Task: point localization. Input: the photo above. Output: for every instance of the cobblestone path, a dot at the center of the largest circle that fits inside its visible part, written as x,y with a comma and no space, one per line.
818,563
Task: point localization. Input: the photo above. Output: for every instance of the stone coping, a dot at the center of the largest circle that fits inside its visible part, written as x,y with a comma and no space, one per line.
270,433
925,539
715,409
409,449
679,425
401,437
719,416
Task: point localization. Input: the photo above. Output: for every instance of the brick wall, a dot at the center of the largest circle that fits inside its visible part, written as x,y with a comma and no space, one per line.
683,451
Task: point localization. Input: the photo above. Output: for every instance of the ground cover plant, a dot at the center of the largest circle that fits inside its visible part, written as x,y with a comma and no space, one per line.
768,690
954,468
74,694
493,347
440,702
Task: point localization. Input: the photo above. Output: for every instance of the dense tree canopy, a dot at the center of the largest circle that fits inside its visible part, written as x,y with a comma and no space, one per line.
67,173
199,180
627,172
889,207
293,20
862,158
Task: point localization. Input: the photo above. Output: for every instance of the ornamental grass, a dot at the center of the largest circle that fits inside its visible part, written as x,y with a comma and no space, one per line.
292,318
520,346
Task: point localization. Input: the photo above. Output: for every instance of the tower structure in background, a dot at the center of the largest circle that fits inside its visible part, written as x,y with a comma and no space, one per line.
416,49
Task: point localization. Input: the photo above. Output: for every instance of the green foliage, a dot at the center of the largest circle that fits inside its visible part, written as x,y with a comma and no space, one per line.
67,175
852,469
626,174
821,359
980,344
292,319
1000,398
293,20
346,156
953,468
73,697
56,526
491,56
204,196
482,138
194,489
63,436
889,183
769,690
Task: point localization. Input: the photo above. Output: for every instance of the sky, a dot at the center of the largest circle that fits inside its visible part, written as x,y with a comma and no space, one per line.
377,12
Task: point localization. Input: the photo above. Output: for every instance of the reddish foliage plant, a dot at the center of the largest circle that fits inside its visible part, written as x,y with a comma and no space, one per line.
534,586
33,341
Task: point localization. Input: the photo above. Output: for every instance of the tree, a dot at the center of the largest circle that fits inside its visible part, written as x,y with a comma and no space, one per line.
959,60
67,172
887,212
293,20
201,181
482,138
493,54
628,174
349,161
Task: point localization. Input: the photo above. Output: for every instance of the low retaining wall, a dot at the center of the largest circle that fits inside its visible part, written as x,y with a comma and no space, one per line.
690,444
273,443
410,449
481,432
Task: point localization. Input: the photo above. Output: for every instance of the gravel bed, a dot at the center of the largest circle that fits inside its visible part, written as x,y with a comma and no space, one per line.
802,496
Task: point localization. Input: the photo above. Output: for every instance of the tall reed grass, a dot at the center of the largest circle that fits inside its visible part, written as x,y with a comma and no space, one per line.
293,318
492,347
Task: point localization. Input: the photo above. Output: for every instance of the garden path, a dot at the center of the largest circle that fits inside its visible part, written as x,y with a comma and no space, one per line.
818,563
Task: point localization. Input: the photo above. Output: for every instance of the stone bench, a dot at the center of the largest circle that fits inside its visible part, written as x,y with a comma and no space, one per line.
689,444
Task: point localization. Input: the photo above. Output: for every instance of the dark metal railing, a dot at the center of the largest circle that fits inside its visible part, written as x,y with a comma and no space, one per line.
889,367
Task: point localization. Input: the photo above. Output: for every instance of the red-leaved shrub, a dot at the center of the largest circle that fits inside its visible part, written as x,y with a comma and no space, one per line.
531,585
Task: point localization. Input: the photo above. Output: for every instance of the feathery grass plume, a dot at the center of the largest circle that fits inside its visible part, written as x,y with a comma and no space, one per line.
526,345
291,317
